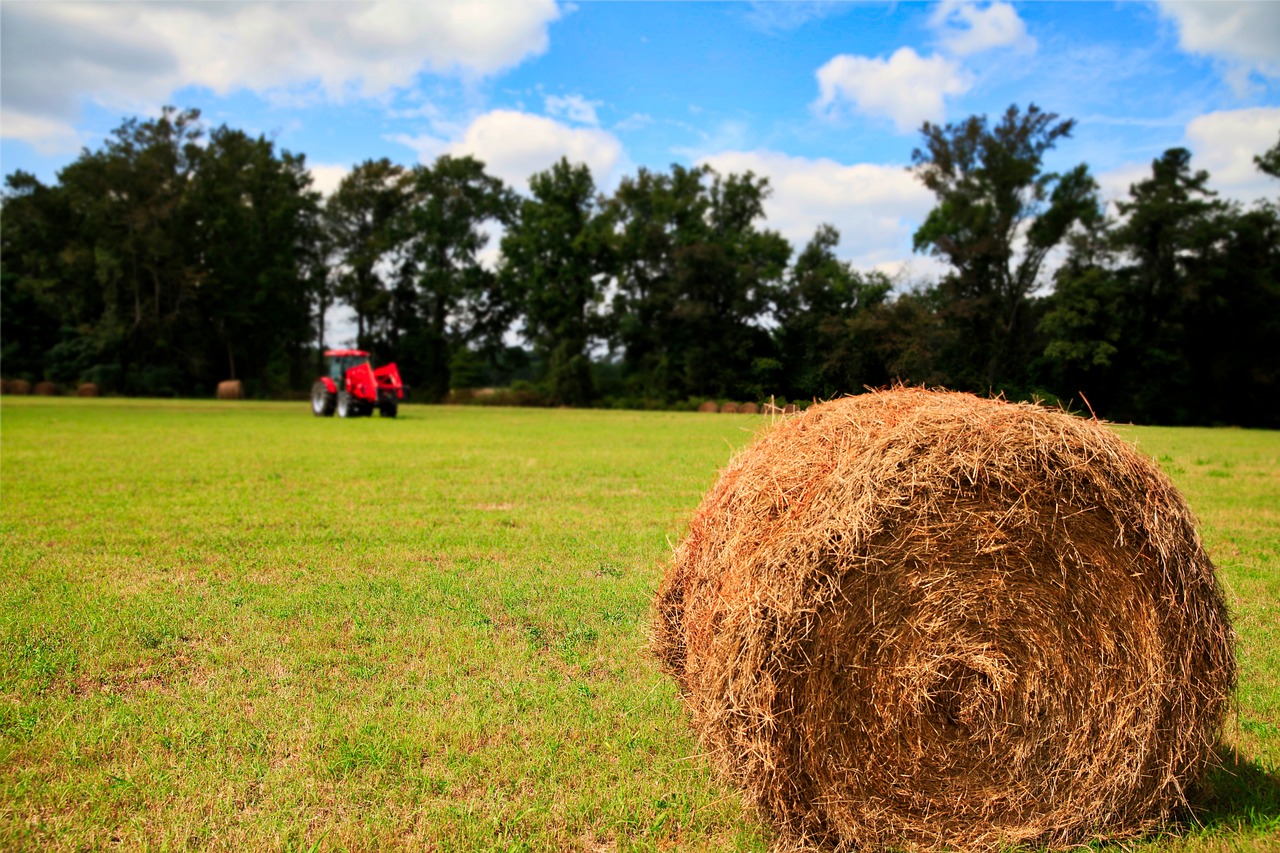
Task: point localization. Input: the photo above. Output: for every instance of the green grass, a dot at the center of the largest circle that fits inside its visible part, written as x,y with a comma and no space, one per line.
236,626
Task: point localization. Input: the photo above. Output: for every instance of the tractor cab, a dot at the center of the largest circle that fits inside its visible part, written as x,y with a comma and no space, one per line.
340,361
351,387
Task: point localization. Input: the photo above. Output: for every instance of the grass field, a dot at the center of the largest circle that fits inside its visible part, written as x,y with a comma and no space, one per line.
236,626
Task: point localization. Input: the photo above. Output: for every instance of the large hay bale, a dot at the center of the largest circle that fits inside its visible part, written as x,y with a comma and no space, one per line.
87,389
709,406
729,408
230,389
922,620
18,386
45,389
748,409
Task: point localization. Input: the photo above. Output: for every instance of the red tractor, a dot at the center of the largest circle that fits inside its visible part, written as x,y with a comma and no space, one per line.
353,387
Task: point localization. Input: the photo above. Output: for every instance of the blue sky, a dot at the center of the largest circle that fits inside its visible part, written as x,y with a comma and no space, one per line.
825,99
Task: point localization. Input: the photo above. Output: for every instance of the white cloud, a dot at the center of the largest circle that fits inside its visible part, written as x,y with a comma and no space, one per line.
1245,35
775,17
1225,143
875,207
47,136
635,121
575,108
55,56
325,177
514,146
967,28
906,87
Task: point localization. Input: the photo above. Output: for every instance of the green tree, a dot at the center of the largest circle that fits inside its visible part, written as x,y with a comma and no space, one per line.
38,305
820,354
695,275
999,215
256,227
454,204
1083,325
363,221
127,275
1169,316
1169,219
164,261
556,259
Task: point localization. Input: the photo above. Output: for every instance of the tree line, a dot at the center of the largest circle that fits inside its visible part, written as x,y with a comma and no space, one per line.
174,257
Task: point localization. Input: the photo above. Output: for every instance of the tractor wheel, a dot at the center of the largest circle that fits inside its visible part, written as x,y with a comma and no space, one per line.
347,406
322,400
388,408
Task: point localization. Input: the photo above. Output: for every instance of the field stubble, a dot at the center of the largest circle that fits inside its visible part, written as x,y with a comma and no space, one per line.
236,626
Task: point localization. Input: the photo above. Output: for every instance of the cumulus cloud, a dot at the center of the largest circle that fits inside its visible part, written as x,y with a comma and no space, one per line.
906,87
1244,35
967,28
1223,144
875,207
54,56
514,146
575,108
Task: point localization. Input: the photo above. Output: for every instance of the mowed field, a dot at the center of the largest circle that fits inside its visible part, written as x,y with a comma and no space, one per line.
237,626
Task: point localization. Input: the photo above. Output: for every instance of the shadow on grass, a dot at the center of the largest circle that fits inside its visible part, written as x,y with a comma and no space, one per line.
1239,794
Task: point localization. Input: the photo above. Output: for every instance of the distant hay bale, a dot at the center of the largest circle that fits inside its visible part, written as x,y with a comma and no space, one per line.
924,620
45,389
230,389
790,409
729,408
87,389
748,409
18,386
709,406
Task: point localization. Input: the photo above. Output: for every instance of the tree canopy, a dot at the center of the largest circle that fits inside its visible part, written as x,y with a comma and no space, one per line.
175,256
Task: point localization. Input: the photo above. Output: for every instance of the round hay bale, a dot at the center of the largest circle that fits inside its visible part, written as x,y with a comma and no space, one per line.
230,389
790,409
748,409
920,620
729,408
45,389
87,389
18,386
709,406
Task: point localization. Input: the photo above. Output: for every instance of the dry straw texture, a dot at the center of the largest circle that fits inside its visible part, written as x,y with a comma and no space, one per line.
230,389
925,620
